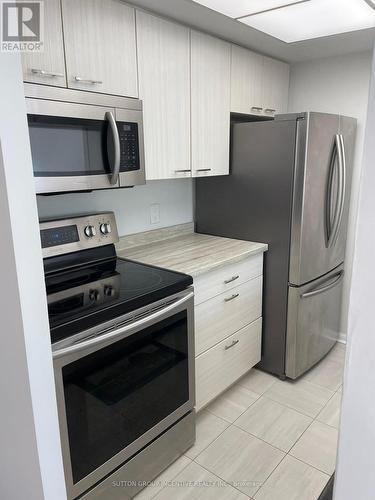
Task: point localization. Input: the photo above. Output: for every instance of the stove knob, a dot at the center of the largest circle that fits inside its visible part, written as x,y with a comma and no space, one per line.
105,228
90,231
109,291
94,295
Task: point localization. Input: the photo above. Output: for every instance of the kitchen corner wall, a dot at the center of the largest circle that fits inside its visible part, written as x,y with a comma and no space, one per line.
131,206
337,85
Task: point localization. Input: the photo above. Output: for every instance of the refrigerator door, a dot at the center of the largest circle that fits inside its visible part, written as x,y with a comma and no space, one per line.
314,312
321,196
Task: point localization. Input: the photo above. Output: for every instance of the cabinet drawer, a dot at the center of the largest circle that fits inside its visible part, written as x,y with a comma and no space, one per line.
225,278
217,318
219,367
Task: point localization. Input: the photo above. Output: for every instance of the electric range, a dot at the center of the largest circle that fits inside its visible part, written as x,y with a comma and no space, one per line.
122,336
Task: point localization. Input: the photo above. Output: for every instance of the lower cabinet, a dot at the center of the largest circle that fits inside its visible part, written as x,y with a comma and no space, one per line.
219,367
228,326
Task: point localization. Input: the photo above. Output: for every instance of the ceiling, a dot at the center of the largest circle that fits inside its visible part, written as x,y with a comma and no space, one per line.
205,19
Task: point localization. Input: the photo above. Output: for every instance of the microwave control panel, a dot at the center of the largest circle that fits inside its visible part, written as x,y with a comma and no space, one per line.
129,146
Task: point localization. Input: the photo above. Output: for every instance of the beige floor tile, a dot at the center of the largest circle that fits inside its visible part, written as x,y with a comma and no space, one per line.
209,427
317,447
293,480
301,395
196,483
274,423
330,414
327,374
337,353
233,403
158,484
257,381
238,457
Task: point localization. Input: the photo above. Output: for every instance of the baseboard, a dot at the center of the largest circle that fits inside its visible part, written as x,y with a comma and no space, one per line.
342,338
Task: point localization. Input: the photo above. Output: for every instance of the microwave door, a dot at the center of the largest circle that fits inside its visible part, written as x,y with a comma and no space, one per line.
70,146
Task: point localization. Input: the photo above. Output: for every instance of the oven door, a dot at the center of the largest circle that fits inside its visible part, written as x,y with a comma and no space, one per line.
74,147
119,387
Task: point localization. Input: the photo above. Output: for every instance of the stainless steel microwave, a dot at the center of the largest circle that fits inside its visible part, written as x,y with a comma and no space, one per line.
81,141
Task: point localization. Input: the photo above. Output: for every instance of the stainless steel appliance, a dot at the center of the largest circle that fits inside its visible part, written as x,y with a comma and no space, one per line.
123,351
84,141
289,186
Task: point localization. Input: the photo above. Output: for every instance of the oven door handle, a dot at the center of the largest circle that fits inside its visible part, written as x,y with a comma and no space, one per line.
116,142
123,331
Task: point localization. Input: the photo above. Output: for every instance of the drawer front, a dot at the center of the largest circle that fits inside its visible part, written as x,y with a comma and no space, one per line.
225,314
225,278
221,366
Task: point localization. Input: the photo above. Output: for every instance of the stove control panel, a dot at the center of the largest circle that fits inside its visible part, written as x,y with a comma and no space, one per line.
61,236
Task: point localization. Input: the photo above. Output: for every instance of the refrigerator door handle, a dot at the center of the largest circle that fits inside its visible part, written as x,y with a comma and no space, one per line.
331,227
342,187
339,276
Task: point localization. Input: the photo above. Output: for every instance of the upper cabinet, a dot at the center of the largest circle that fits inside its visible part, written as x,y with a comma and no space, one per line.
275,86
260,85
100,46
246,81
164,87
210,104
48,67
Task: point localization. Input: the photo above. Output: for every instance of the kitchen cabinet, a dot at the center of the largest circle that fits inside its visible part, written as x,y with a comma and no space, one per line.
210,105
219,367
246,81
100,46
275,86
228,319
259,85
164,87
47,67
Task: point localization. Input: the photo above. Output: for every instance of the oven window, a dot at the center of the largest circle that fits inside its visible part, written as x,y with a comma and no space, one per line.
116,394
68,146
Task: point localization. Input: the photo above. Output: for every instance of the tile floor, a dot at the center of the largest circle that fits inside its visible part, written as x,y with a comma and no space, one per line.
263,439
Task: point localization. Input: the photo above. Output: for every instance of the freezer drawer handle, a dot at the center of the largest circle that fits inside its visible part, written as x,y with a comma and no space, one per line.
233,278
339,276
234,296
235,342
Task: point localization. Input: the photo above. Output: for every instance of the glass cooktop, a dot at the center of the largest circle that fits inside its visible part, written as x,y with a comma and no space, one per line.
83,297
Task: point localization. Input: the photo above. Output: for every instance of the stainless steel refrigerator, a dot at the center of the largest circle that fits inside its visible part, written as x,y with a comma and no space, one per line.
289,186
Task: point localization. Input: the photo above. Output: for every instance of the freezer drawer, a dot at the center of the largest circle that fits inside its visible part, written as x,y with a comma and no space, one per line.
313,327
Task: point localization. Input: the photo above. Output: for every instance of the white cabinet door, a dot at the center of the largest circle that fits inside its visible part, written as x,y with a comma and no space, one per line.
164,87
275,86
100,46
210,105
246,81
48,67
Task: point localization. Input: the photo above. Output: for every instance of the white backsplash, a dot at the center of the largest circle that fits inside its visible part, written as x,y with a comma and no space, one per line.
131,206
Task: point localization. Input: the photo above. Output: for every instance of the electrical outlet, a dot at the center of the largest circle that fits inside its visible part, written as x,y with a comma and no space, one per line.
155,213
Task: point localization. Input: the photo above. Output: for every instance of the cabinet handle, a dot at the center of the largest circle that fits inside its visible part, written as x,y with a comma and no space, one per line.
42,72
270,111
233,278
235,342
203,169
84,80
182,171
257,108
234,296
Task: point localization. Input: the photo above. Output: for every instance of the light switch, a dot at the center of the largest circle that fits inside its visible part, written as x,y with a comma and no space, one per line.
155,213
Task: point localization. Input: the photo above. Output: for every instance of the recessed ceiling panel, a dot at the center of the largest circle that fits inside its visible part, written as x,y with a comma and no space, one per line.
313,19
239,8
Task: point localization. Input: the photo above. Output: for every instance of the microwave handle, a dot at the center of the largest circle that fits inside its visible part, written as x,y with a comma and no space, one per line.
116,141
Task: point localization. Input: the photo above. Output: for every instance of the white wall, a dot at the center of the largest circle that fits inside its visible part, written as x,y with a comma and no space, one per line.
131,206
337,85
30,454
356,454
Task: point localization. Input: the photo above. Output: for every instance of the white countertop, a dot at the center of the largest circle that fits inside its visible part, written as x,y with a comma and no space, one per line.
180,249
